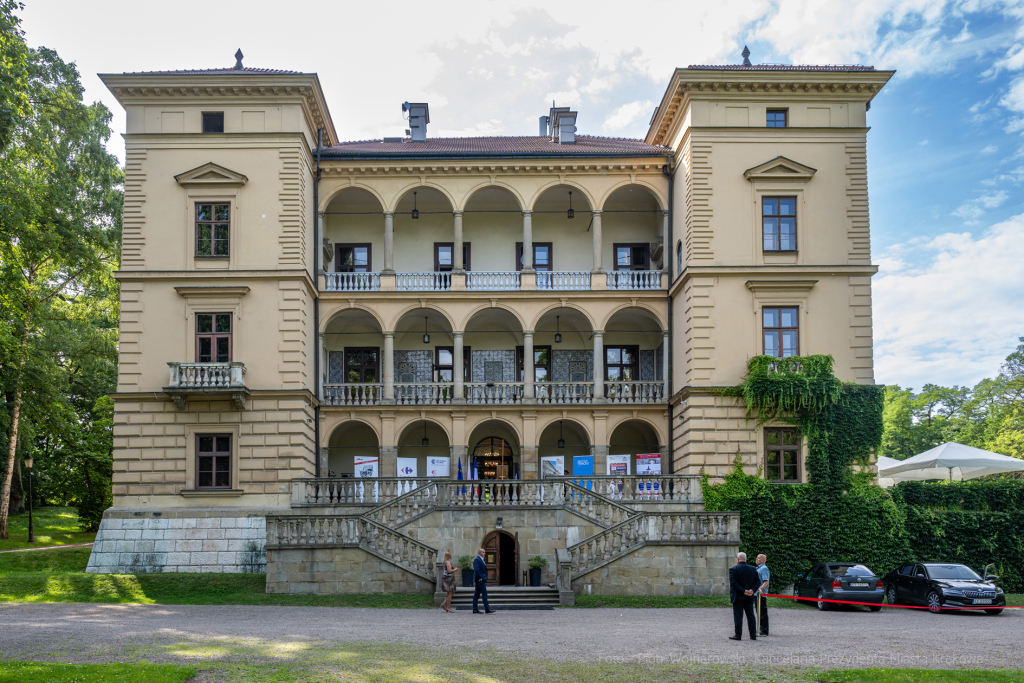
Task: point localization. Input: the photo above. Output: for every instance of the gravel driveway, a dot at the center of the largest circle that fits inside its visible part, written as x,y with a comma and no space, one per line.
801,637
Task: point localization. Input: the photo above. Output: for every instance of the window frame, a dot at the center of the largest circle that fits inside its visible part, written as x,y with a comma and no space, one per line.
631,245
779,216
521,362
362,366
212,113
213,223
467,365
214,336
635,348
215,455
782,448
785,118
780,330
353,245
533,263
467,253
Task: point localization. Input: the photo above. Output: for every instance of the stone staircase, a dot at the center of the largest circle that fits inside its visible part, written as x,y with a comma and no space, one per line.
509,598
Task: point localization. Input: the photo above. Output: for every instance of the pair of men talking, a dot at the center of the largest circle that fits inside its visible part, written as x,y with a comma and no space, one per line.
747,589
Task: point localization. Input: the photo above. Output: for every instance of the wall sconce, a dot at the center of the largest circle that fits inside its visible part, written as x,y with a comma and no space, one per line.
498,525
426,337
558,334
561,441
415,208
570,213
426,441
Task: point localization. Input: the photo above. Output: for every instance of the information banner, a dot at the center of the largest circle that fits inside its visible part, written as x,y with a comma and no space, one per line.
366,466
439,467
618,465
648,463
553,466
408,467
583,466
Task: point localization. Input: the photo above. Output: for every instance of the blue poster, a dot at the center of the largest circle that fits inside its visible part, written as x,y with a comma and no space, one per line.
583,465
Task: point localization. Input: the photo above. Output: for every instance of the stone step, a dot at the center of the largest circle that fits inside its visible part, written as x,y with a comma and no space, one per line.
510,597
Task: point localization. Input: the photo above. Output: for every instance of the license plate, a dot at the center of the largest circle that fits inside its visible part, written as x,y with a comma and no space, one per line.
858,585
982,601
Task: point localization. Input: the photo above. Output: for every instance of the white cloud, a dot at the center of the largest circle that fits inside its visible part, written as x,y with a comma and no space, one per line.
953,319
989,149
974,209
1014,101
625,115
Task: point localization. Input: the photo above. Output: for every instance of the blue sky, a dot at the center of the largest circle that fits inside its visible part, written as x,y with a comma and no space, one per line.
945,156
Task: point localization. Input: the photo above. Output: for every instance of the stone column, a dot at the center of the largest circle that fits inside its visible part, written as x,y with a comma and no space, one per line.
666,249
529,452
389,243
459,454
600,448
324,368
599,366
458,369
457,264
388,465
324,461
596,228
389,367
664,363
527,241
529,392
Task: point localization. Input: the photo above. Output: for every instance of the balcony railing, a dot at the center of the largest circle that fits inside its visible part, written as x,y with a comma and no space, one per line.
634,392
352,394
491,393
492,281
634,279
426,393
353,282
423,282
564,393
205,379
563,280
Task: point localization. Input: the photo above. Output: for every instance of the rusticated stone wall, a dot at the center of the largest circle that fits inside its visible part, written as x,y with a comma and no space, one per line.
331,571
663,570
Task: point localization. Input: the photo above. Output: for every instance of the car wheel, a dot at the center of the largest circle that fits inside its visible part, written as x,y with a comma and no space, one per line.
822,605
875,608
890,595
994,612
934,602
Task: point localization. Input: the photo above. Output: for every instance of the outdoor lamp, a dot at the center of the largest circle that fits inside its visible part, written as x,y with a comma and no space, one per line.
558,335
426,441
31,531
498,525
426,337
570,213
561,441
28,461
415,210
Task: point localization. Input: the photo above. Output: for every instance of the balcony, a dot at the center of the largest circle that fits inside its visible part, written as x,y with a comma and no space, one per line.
206,380
492,393
492,281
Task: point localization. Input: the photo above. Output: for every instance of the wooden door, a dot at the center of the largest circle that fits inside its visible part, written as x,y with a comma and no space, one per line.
492,557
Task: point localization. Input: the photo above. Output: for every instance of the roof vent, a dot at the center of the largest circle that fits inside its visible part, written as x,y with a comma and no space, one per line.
746,56
238,59
562,125
419,117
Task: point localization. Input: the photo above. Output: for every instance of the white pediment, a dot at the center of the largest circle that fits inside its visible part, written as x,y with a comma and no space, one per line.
211,175
780,168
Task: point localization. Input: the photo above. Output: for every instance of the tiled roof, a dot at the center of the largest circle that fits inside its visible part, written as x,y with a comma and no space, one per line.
586,145
781,67
246,71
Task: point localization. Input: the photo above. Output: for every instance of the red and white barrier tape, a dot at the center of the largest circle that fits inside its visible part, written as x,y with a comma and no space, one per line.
882,604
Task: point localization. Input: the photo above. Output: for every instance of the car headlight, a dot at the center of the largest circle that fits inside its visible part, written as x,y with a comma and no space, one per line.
952,591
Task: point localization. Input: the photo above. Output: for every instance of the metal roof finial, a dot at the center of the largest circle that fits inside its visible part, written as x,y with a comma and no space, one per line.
746,56
238,59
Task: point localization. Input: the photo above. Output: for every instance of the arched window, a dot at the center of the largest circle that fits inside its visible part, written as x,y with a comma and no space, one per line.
494,459
679,257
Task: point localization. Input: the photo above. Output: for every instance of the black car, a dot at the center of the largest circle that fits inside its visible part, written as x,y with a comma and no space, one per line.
939,584
840,581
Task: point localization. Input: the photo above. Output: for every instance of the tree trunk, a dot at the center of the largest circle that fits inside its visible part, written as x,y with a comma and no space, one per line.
12,444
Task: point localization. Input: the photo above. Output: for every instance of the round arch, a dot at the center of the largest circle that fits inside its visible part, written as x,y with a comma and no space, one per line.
652,191
434,311
351,442
656,429
407,430
423,443
339,311
481,312
568,185
338,191
472,192
493,426
568,305
621,311
635,436
578,441
406,191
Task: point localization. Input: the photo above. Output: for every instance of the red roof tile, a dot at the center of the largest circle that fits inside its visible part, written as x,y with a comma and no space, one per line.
246,71
780,67
497,146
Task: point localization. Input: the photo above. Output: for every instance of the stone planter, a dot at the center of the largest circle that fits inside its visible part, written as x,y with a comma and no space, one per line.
467,578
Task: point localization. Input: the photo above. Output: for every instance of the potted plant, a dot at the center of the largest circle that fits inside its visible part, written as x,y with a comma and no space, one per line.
537,565
466,562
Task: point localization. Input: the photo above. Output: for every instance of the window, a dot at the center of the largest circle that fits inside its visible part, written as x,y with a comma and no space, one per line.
542,256
444,260
213,337
362,365
541,363
782,455
777,118
213,470
621,363
819,572
353,258
907,569
781,334
443,363
778,223
631,257
679,257
919,573
213,223
213,122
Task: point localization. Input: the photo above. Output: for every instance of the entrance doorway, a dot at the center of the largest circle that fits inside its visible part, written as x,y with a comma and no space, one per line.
494,459
502,558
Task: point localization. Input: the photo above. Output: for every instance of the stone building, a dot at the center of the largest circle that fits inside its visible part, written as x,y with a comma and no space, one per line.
317,336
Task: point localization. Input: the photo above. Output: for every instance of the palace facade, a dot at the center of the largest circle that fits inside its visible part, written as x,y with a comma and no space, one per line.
319,336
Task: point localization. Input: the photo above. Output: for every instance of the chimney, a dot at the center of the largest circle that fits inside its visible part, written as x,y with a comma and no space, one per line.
419,117
562,123
544,127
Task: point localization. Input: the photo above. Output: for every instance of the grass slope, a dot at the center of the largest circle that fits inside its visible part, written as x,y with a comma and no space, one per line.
50,525
139,672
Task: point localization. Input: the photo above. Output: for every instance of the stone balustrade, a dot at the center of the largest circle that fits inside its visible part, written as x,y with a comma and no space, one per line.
680,488
423,282
333,492
493,393
563,280
424,393
207,379
634,279
635,392
407,507
702,527
492,281
565,393
352,282
352,394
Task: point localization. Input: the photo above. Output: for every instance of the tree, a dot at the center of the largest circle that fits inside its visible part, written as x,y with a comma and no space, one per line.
60,210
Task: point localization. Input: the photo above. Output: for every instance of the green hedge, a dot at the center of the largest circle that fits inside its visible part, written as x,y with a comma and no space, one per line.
977,496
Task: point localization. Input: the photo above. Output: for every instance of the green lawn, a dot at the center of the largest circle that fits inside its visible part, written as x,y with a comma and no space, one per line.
51,525
920,676
138,672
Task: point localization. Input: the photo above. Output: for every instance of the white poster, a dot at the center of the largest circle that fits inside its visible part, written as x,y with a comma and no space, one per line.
439,467
648,463
618,465
407,467
553,466
366,466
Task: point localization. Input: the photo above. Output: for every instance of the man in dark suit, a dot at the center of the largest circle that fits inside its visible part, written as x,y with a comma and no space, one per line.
743,582
480,581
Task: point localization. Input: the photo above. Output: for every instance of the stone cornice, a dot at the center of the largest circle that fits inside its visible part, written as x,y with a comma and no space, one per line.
158,88
216,275
343,168
758,86
783,273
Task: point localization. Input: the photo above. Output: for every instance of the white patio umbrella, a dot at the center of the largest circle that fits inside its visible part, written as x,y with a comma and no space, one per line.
953,460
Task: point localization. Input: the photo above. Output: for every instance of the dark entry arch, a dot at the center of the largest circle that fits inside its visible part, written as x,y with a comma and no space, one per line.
501,555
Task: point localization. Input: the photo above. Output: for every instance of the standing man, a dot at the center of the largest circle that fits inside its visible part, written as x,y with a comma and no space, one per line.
762,602
742,584
480,581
